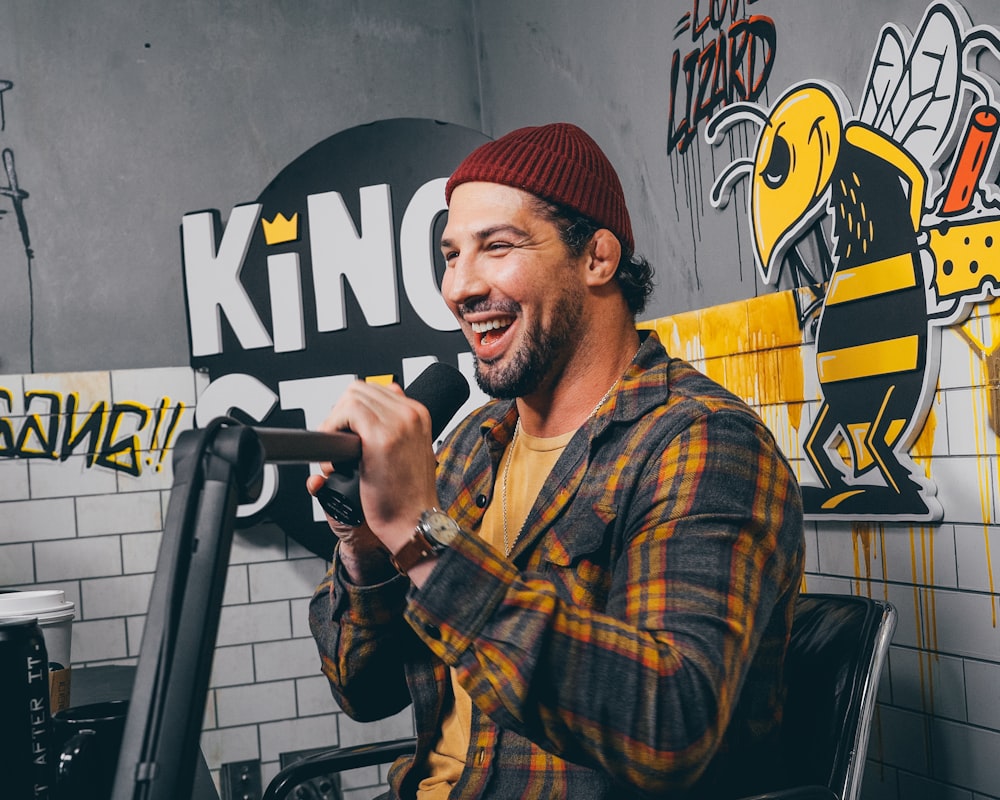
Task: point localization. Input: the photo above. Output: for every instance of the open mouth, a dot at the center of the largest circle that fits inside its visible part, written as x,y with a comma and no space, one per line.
491,331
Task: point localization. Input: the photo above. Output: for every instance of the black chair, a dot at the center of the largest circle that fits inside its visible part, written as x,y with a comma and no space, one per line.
837,651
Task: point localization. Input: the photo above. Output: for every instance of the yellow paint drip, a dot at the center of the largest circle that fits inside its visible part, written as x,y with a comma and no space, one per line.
768,378
752,347
795,419
772,321
925,608
716,369
984,369
861,537
917,616
741,376
681,335
725,329
923,447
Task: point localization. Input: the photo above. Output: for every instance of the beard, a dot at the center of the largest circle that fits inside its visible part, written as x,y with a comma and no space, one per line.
538,358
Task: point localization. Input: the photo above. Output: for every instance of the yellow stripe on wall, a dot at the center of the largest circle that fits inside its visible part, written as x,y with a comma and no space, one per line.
865,360
870,280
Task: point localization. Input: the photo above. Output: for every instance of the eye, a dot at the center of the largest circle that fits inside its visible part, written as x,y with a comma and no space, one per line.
776,170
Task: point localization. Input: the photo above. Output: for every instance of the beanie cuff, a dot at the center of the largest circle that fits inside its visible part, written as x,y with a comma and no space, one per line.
559,163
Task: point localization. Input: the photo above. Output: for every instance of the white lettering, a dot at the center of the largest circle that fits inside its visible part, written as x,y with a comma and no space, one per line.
285,287
417,248
367,260
213,284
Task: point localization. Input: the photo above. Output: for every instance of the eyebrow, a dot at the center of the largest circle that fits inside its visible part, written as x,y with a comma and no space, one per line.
486,233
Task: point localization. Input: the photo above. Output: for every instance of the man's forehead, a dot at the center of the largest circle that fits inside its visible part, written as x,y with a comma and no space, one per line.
481,206
486,193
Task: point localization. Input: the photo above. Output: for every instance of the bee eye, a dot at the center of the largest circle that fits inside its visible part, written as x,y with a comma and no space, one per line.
776,170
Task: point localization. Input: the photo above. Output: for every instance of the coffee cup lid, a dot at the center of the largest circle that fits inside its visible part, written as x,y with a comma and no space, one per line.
42,603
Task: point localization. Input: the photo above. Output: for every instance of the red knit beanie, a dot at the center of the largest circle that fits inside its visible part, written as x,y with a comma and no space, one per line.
557,162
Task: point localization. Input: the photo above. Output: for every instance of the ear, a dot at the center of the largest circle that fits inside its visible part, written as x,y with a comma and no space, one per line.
605,252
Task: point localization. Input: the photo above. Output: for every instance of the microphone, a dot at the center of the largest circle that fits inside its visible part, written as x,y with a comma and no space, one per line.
442,389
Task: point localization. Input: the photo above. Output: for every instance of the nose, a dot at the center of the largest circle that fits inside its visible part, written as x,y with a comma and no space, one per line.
463,282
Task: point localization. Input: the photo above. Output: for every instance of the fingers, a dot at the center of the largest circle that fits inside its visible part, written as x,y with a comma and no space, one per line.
340,528
397,468
315,482
377,412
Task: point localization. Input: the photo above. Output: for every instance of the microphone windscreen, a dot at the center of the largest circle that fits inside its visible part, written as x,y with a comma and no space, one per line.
443,390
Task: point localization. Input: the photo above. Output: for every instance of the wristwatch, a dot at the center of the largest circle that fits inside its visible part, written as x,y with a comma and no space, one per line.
435,531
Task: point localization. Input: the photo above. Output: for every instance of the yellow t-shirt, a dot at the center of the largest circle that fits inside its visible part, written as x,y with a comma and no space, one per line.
531,461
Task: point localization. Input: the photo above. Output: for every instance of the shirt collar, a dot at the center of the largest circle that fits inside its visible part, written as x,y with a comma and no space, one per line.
642,386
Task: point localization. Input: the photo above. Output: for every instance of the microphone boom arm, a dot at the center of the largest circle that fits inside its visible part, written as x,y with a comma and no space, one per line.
216,469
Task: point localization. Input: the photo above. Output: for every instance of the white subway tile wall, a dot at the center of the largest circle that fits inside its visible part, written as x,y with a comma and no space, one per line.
119,513
93,529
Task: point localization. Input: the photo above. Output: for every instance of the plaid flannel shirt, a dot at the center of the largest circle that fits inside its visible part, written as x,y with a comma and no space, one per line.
632,645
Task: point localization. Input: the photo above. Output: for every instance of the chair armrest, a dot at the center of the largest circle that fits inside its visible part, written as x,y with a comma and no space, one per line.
339,759
336,759
798,793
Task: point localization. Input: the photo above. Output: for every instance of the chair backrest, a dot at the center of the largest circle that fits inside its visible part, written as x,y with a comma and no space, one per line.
838,647
835,657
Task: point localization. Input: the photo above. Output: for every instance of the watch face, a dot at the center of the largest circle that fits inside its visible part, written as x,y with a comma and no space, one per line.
440,527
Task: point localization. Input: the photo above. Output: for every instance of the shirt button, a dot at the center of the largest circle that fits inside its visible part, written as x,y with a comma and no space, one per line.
481,500
432,630
480,756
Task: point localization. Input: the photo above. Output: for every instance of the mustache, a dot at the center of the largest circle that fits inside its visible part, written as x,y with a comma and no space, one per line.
489,307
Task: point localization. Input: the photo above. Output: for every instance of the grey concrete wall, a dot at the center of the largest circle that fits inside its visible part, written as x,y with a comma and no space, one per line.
607,67
125,114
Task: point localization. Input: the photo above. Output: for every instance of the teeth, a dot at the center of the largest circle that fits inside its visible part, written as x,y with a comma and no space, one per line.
493,324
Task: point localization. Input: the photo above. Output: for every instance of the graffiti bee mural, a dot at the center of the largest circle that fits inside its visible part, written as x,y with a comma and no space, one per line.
897,268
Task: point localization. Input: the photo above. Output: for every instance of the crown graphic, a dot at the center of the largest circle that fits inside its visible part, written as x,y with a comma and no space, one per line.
281,229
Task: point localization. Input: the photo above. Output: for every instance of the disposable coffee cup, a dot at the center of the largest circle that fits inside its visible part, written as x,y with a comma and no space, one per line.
55,617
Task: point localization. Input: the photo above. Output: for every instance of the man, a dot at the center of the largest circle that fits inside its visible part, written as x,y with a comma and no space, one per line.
602,607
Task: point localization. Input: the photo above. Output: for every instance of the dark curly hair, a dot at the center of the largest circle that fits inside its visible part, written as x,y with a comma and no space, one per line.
634,273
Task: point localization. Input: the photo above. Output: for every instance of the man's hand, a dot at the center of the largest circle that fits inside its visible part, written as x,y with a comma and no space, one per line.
397,469
363,556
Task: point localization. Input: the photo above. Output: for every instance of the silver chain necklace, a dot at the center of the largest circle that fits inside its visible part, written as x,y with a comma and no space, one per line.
507,544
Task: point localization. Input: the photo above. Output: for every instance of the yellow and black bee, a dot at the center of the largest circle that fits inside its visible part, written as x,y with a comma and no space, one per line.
872,336
876,343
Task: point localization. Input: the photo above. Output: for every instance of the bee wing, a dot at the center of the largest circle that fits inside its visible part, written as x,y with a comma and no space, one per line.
914,90
883,77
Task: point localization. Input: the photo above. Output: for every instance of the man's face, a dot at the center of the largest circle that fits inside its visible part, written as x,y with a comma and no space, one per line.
514,287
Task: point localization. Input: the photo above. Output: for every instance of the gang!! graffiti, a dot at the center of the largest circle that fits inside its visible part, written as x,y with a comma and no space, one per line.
331,275
121,436
731,60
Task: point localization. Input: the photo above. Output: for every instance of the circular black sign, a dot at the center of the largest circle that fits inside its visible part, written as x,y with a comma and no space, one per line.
340,278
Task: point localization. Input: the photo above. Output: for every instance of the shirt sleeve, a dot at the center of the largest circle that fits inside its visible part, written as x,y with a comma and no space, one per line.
361,638
629,658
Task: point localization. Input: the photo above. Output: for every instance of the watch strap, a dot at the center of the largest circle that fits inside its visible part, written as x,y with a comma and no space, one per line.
416,550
